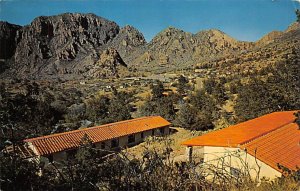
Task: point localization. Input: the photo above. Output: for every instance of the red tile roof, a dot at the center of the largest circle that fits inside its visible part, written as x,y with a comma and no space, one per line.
241,133
281,146
274,139
69,140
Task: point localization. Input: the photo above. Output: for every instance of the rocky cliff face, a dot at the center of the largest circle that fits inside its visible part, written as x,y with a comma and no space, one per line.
174,46
108,65
128,41
62,44
8,43
67,45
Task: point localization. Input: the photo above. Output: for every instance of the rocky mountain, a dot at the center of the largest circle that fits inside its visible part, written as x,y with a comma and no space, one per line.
77,46
277,35
128,41
174,46
109,64
269,38
67,45
8,34
274,48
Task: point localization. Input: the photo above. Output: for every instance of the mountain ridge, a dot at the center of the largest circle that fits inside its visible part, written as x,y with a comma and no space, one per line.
69,45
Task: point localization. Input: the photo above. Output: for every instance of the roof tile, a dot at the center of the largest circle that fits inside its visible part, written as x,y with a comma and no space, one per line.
274,139
241,133
68,140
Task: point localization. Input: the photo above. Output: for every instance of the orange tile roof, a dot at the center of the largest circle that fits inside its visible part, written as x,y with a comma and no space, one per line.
281,146
241,133
274,139
68,140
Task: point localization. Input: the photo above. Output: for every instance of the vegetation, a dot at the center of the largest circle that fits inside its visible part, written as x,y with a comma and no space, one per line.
252,82
216,89
26,115
198,114
155,170
278,92
183,85
158,104
36,110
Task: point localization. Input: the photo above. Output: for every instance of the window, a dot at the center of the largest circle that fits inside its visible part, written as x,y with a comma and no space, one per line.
142,135
131,139
153,132
102,145
71,154
114,143
50,158
162,130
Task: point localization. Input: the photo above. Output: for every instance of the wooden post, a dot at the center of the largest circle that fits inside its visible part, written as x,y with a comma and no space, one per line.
189,153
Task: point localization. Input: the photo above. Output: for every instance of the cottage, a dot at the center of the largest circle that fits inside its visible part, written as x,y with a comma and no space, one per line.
264,144
57,147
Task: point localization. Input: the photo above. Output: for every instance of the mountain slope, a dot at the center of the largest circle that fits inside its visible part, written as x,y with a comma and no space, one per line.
174,46
275,48
70,45
8,34
67,45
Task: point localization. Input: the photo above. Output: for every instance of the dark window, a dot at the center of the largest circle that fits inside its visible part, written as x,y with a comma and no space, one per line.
50,158
114,143
162,130
153,131
142,135
131,139
103,145
71,154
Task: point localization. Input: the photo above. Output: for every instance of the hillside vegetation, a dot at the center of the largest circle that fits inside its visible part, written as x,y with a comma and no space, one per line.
74,71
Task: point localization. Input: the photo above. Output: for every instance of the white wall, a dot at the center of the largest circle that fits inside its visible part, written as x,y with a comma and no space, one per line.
226,157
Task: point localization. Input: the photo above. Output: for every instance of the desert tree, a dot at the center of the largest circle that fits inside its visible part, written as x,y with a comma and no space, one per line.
157,89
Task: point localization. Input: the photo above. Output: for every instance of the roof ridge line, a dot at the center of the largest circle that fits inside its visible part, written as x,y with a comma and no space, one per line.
88,128
266,133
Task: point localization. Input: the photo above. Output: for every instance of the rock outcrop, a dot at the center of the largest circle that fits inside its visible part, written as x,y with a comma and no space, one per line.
68,45
8,42
269,38
175,46
108,65
62,44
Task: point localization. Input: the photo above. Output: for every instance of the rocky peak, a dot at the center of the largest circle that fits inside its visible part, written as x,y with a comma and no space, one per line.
108,64
133,35
128,40
170,33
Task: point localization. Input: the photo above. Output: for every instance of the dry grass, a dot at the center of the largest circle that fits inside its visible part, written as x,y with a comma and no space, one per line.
174,142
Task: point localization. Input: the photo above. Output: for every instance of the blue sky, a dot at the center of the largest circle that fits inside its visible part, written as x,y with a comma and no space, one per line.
245,20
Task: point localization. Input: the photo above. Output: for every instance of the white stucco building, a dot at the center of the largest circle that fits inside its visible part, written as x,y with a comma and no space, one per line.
259,146
60,146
